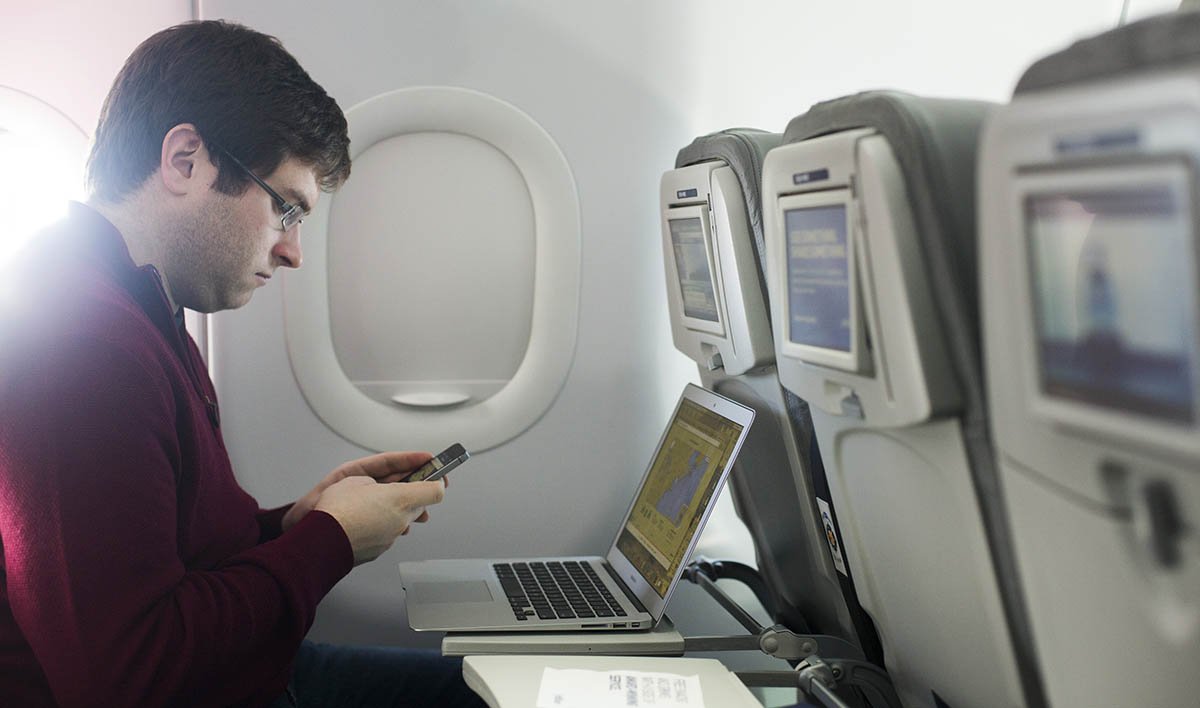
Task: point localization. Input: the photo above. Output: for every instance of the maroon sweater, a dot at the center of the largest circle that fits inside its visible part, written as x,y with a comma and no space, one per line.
136,572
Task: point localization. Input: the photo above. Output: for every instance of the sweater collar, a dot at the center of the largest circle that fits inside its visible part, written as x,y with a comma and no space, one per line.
103,245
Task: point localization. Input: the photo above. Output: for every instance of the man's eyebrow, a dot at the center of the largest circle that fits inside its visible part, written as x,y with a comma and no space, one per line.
298,199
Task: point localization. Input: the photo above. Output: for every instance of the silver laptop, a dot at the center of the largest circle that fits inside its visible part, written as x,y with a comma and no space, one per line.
626,589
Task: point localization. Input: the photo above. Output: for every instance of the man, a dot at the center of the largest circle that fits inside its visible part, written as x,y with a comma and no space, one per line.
136,572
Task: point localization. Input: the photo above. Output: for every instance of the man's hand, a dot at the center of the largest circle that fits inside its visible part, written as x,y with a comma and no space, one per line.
373,515
384,467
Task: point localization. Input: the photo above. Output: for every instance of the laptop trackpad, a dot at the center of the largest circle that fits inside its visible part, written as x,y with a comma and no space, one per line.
453,591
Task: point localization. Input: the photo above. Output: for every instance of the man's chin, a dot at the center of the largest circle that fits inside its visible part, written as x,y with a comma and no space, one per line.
230,301
239,300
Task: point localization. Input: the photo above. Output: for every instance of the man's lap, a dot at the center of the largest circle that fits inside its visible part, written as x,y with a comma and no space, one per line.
332,676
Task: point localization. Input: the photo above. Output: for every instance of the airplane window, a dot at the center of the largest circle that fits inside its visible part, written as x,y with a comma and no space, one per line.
34,189
440,292
42,154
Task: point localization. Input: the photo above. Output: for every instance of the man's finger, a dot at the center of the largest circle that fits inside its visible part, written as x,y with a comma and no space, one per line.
387,464
412,495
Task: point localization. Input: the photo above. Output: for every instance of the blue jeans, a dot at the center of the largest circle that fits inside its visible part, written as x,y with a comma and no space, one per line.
331,676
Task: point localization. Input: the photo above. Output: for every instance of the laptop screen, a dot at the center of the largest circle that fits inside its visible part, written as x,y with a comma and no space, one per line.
676,492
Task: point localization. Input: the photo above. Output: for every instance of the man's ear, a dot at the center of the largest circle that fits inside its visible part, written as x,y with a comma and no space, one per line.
184,162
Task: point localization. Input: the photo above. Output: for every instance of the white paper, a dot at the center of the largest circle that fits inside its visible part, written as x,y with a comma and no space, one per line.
577,688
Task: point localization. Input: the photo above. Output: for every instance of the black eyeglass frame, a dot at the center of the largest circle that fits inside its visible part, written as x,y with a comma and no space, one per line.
289,214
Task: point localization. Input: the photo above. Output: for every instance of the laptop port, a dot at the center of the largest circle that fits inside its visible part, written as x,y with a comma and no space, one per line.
618,625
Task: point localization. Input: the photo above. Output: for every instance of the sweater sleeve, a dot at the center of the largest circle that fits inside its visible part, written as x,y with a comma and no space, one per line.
88,521
270,522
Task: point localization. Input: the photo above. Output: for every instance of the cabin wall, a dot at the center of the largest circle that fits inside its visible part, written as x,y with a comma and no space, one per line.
67,53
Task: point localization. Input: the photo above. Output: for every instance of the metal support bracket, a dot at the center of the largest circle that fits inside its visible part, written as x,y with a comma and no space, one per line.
817,680
777,641
817,677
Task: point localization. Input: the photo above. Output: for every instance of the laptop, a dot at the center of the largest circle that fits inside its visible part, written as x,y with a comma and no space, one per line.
626,589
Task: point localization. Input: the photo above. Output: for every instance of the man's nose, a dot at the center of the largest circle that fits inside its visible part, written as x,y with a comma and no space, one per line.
287,249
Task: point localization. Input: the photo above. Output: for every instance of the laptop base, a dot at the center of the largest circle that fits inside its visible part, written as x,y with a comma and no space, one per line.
663,640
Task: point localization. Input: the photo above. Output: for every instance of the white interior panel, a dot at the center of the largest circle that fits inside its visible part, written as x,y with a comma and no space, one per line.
67,53
410,115
431,269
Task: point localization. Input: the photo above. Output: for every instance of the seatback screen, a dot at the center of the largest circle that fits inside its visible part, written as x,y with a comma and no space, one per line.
818,277
691,263
678,489
1112,297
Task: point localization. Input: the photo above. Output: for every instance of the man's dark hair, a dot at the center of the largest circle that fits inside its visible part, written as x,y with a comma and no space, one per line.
241,89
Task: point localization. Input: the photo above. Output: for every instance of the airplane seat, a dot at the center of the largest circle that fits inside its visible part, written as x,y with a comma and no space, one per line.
1088,252
869,224
713,252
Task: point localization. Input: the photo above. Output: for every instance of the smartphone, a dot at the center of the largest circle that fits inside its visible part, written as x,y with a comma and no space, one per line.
441,465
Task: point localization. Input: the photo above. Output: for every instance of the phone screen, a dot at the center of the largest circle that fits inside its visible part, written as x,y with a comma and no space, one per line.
440,465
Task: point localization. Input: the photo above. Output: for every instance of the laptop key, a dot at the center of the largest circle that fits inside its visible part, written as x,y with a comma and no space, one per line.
512,588
555,589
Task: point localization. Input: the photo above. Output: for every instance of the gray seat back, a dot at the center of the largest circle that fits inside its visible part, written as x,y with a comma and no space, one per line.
1088,212
773,484
869,215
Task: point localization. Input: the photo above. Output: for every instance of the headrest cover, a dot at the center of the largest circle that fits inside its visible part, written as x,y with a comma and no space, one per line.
1157,43
935,142
743,149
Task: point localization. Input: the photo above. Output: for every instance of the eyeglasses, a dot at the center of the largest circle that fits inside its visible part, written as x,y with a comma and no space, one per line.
289,214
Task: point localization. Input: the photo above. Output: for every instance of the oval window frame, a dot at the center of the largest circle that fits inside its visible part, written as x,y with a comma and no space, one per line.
24,112
554,323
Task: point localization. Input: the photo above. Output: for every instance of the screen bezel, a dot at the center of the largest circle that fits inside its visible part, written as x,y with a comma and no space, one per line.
628,572
710,251
1079,414
853,361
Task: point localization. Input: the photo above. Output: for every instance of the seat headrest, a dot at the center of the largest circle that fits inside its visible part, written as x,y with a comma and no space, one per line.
1157,43
935,142
743,149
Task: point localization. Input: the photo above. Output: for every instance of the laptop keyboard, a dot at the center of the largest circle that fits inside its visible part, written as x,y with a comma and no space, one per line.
556,590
